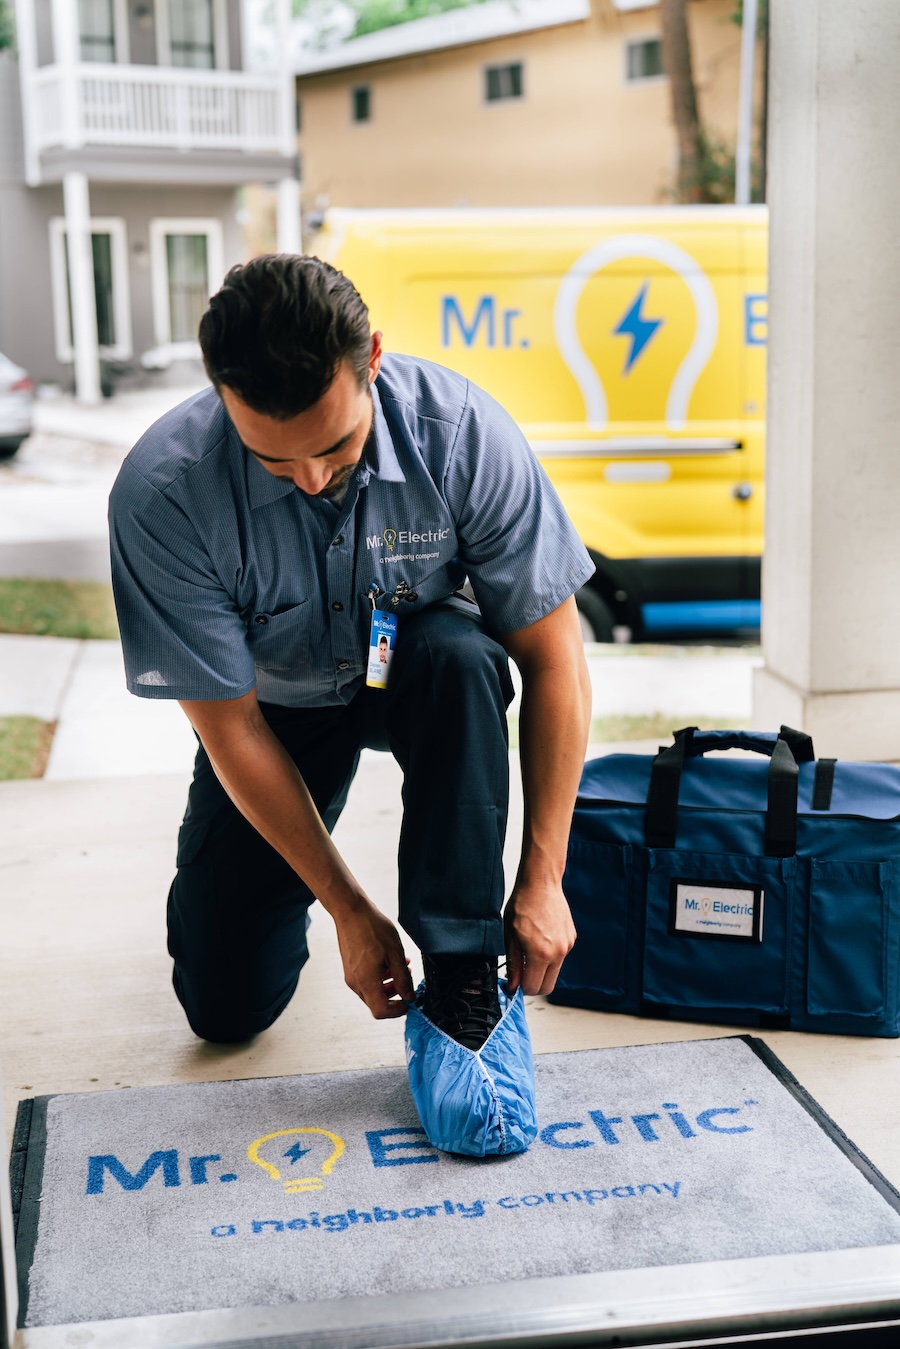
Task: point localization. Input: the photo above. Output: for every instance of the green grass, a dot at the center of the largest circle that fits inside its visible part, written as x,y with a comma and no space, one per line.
24,747
656,726
57,608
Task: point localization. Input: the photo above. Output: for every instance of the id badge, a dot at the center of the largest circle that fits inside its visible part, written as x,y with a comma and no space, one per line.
382,640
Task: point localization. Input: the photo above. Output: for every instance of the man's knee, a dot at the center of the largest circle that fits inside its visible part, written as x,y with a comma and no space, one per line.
452,642
221,1015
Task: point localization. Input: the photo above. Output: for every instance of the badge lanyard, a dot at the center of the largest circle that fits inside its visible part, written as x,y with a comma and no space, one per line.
383,632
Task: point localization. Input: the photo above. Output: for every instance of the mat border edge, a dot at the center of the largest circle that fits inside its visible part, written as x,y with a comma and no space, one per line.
30,1143
833,1131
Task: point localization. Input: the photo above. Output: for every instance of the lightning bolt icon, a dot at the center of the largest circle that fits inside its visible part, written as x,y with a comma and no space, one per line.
296,1152
639,329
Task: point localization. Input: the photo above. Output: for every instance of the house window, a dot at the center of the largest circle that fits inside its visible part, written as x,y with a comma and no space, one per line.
192,34
644,59
361,103
109,249
96,27
503,82
298,113
186,260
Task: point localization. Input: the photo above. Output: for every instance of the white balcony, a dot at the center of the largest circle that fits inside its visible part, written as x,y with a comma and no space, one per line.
161,107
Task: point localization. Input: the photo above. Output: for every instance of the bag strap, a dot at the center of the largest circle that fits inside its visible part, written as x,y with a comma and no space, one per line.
661,822
823,784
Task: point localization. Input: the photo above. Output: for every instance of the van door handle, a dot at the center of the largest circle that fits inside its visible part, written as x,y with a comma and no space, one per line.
742,492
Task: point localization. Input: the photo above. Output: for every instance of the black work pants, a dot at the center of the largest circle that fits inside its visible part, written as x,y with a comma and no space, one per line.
238,913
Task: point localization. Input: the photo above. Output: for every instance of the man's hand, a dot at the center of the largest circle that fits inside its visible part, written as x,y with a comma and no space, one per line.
539,935
375,965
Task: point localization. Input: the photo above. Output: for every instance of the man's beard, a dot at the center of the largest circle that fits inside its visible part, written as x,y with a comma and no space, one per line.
337,488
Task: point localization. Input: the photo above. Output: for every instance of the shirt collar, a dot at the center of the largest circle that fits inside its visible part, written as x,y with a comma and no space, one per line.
380,461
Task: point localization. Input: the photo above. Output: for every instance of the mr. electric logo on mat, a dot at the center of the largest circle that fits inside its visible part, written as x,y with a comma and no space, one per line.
303,1158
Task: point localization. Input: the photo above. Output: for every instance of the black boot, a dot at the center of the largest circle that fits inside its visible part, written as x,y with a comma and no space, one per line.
461,996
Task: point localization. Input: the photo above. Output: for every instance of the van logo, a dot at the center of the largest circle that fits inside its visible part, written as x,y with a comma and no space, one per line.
695,359
639,329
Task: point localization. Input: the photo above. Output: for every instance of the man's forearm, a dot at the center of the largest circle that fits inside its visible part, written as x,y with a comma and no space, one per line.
263,782
553,731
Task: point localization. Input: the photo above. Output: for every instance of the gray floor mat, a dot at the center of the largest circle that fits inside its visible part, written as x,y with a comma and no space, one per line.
277,1190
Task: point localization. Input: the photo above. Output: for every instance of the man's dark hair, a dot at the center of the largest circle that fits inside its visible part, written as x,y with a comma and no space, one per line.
279,328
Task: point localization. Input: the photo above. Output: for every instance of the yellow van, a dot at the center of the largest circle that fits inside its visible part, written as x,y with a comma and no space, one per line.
630,346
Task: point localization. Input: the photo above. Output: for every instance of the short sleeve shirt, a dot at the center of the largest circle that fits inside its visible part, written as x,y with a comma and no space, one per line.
228,578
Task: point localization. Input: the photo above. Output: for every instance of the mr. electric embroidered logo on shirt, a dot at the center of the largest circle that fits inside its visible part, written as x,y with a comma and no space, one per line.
389,538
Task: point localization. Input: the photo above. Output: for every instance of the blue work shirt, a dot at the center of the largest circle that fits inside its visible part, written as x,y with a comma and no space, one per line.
227,578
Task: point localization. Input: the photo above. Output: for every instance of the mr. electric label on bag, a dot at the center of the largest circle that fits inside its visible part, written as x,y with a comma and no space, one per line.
717,911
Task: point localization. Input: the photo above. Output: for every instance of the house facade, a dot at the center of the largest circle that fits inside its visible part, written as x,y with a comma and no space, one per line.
509,103
126,128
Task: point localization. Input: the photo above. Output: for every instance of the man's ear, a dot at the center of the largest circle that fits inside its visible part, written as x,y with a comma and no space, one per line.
375,358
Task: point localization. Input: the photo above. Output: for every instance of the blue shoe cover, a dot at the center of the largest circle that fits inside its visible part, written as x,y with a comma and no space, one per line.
476,1102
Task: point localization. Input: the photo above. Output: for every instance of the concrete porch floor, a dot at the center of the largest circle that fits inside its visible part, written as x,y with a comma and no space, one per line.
85,998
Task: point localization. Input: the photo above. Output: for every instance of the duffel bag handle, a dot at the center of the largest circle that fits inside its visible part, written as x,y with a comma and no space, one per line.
759,742
781,813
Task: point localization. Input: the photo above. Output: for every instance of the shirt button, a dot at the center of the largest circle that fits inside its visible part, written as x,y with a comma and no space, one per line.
343,665
261,618
339,539
337,606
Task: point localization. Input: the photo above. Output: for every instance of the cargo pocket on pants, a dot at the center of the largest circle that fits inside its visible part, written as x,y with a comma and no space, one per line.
846,973
596,886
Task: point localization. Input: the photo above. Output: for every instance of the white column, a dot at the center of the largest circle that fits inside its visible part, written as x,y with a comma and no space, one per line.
744,149
26,42
288,218
286,76
77,203
831,573
66,55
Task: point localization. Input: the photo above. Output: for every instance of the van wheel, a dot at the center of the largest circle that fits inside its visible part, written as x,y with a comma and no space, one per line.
594,615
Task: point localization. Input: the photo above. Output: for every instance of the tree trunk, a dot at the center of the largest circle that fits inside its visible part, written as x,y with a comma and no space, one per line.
677,63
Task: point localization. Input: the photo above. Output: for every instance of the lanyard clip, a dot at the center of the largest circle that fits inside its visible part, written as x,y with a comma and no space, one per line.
373,593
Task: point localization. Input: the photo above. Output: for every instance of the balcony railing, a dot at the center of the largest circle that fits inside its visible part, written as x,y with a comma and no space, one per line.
157,106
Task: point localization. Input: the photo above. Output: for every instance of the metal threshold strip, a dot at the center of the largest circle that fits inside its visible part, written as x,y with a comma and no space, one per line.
632,445
673,1305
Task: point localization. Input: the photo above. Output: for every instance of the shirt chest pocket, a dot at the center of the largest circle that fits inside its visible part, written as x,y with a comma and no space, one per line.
281,642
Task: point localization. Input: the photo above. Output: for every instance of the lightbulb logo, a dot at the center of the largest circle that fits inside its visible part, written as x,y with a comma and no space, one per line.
635,324
705,906
274,1161
390,538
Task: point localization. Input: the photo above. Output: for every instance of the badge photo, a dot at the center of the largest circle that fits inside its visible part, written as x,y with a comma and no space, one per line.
382,639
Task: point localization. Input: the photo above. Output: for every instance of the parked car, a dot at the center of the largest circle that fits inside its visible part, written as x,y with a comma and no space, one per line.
16,406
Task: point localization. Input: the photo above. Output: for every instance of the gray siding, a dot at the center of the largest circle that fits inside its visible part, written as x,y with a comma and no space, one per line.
26,313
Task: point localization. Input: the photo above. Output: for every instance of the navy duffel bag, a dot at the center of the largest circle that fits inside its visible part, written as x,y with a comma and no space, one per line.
736,890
